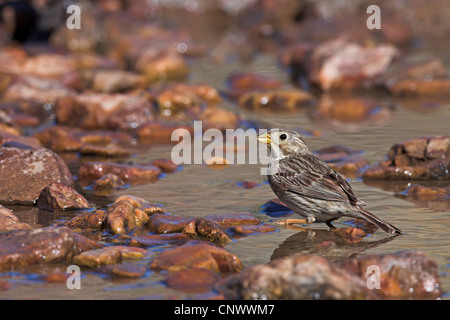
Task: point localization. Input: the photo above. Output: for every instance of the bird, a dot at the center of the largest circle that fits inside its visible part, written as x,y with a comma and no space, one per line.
308,186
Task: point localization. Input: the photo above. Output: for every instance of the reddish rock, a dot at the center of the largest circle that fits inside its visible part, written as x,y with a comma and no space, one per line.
110,81
87,220
404,275
296,277
131,174
339,64
123,217
36,89
57,196
196,255
164,223
128,270
157,65
251,229
9,221
192,280
351,235
183,102
20,248
158,133
104,111
351,114
424,88
81,243
107,182
132,253
423,158
103,143
98,257
159,239
209,230
241,82
233,219
10,136
166,165
289,100
24,173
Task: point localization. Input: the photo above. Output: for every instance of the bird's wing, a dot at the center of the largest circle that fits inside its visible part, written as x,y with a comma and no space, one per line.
324,185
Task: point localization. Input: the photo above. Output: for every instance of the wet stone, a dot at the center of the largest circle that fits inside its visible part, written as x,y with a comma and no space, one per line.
153,240
21,248
166,165
24,173
277,100
9,221
209,230
103,143
351,235
131,174
123,217
128,270
107,182
98,257
343,65
87,220
299,276
84,244
423,158
153,132
192,280
104,111
57,196
251,229
404,275
165,223
232,219
241,82
196,254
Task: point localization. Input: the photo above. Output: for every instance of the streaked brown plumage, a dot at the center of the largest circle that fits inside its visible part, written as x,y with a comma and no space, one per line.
308,186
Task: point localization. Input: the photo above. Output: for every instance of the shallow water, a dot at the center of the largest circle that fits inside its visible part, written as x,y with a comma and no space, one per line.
198,190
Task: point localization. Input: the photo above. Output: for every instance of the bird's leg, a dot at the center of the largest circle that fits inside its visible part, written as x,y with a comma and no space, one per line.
308,220
330,225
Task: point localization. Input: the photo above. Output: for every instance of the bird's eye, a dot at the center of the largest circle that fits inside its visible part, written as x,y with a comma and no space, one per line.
283,136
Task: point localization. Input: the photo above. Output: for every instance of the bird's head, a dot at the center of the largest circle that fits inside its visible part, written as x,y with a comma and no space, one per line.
283,143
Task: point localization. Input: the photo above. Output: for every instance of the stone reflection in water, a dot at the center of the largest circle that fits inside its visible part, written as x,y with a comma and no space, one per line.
327,243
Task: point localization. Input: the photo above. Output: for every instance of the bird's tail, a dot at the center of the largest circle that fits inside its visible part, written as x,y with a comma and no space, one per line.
380,223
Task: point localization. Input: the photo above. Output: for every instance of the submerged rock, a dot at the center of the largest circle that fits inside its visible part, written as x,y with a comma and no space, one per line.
57,196
192,280
24,173
277,100
297,277
21,248
98,257
165,223
404,275
424,158
103,143
196,254
87,220
124,216
131,174
9,221
339,64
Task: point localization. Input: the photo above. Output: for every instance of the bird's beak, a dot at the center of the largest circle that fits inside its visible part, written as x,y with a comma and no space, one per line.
265,138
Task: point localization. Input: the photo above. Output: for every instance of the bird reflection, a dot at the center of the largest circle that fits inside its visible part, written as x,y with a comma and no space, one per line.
331,244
